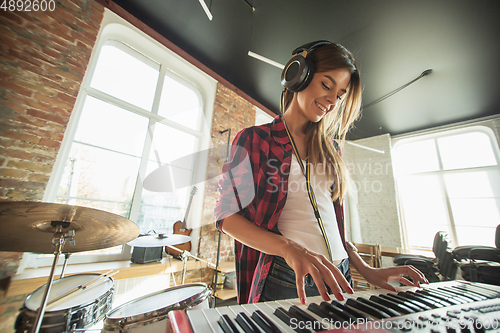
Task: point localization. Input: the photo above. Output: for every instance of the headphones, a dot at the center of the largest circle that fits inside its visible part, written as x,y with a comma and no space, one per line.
299,70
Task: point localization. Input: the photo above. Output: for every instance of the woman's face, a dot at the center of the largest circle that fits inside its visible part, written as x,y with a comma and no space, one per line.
322,94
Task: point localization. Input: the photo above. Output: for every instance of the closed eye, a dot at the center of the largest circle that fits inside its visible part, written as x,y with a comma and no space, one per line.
325,86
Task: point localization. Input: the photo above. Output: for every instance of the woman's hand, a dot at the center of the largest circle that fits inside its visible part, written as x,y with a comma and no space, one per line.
381,277
304,261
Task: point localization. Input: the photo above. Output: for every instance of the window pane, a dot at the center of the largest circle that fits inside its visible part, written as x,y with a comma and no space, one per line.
412,157
473,235
477,212
180,103
425,209
173,146
466,150
478,184
106,177
126,74
104,125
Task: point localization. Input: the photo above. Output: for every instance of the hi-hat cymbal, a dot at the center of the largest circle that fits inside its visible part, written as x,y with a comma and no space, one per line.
27,227
159,240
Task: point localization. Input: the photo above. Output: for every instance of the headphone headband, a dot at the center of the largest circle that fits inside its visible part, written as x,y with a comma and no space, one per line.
299,70
310,46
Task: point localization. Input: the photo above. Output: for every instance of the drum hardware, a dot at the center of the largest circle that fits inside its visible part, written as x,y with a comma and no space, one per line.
84,286
26,227
66,258
58,240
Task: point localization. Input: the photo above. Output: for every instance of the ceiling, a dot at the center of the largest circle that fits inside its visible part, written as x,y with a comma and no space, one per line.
393,41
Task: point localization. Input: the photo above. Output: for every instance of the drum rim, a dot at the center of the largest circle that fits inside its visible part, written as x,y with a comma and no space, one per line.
73,307
160,314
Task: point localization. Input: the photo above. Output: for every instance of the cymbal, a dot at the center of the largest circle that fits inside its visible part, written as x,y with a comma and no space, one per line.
158,240
27,227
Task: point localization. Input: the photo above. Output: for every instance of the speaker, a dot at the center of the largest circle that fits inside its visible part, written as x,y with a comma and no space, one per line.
299,70
142,255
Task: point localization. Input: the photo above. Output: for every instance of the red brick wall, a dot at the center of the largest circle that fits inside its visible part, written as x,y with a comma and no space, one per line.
43,57
234,112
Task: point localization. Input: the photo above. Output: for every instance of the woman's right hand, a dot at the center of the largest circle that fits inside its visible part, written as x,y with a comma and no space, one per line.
304,261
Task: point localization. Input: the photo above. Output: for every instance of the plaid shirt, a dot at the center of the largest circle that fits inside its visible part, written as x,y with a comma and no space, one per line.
260,156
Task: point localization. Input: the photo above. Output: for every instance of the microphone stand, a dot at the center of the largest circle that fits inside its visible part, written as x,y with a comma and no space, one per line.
218,242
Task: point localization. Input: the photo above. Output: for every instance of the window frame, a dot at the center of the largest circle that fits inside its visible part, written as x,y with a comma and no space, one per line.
116,29
441,172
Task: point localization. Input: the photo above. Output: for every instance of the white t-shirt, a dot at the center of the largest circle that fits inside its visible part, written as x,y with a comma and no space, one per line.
297,221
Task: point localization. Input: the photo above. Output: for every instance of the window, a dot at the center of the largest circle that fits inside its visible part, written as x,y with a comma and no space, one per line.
449,182
140,107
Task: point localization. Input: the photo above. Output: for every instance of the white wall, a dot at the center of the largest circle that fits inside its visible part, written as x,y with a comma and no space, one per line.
375,218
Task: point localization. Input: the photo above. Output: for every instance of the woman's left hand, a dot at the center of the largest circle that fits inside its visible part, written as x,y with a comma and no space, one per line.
381,277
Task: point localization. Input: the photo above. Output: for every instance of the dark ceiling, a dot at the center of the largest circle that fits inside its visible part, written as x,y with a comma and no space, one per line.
394,41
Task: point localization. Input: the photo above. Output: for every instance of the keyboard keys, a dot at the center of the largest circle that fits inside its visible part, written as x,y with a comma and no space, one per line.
246,323
227,324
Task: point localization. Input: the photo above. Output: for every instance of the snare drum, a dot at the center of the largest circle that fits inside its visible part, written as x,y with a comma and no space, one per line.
83,308
149,313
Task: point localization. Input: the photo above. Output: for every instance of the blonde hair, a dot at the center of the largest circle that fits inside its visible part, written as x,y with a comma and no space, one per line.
336,124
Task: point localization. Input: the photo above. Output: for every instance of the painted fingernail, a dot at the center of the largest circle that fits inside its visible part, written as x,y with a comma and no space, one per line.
303,300
326,297
350,290
340,297
426,281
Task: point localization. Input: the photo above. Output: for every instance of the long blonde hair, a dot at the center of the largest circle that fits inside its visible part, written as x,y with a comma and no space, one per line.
336,124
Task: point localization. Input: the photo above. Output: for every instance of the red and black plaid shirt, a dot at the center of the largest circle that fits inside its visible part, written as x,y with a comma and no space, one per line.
254,184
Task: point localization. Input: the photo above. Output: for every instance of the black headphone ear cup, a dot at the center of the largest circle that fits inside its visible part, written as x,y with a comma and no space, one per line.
297,74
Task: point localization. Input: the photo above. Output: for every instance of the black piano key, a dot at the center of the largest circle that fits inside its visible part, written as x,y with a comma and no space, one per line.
414,305
346,316
246,323
323,313
227,324
431,298
354,312
456,298
379,306
477,290
306,318
474,296
399,307
459,296
288,319
367,308
423,300
437,295
265,323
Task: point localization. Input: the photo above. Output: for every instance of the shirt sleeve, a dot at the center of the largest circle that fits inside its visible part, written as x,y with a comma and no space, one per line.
236,187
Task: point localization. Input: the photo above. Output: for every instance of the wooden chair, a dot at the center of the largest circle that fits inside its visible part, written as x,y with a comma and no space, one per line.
372,255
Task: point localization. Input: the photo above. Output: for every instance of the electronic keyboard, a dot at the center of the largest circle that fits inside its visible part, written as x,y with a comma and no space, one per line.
452,306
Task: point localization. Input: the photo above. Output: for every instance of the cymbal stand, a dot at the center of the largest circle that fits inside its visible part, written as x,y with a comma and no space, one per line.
184,257
58,241
66,258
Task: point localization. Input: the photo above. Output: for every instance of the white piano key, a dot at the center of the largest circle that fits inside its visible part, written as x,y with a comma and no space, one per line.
212,316
198,321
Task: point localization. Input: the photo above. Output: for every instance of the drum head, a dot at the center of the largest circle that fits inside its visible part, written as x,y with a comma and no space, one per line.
187,295
78,298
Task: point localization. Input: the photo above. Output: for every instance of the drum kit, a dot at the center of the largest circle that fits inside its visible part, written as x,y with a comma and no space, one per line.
75,303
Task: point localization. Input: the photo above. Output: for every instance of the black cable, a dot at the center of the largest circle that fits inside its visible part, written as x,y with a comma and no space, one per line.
248,3
424,73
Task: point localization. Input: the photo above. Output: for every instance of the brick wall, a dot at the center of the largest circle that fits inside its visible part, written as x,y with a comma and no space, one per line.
43,58
234,112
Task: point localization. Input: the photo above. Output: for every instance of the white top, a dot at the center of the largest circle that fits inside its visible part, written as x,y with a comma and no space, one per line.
297,221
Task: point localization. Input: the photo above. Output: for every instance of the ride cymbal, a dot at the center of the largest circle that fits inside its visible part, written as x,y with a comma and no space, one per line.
29,227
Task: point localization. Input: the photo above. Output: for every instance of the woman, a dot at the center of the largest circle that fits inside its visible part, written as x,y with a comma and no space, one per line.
289,236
